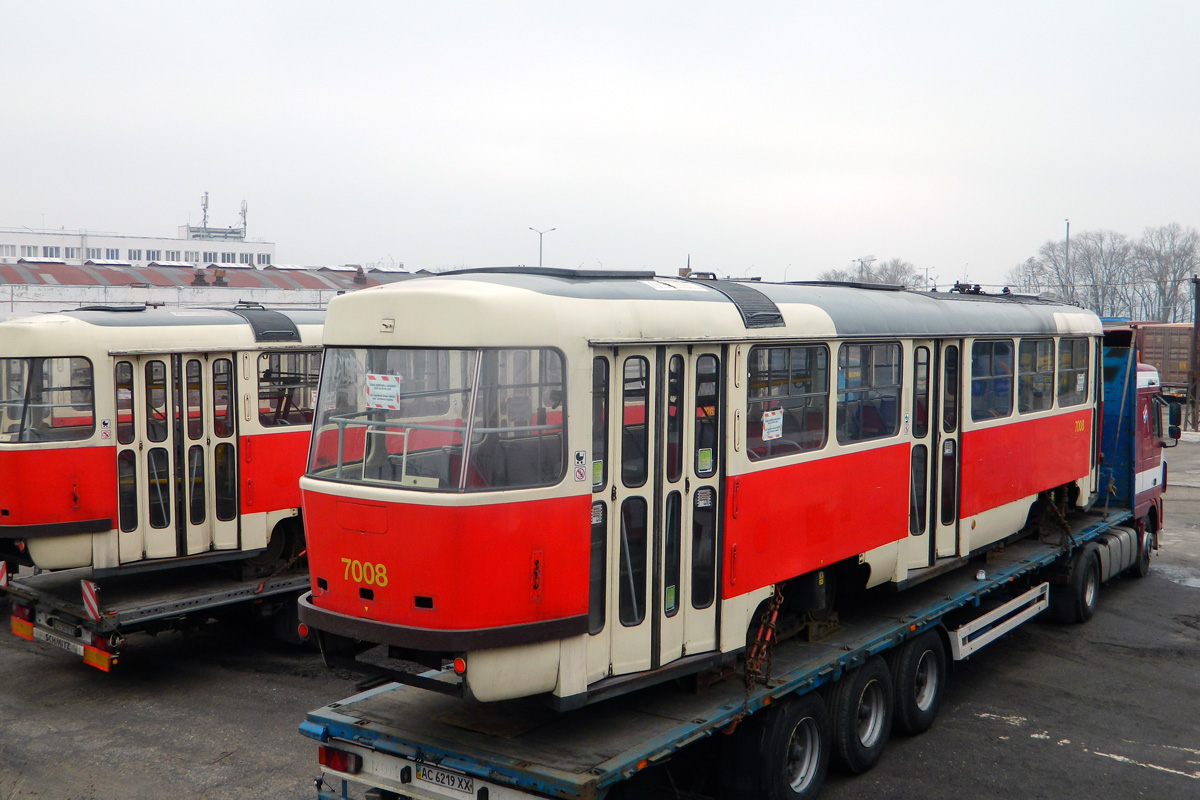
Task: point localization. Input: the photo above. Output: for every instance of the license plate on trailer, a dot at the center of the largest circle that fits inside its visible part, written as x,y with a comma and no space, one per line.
444,779
43,635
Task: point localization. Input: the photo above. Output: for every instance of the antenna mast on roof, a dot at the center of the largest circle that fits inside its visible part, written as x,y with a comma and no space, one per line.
204,208
244,208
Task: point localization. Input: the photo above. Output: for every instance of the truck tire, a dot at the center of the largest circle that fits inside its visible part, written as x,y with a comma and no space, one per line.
862,716
1141,567
918,681
1075,601
796,748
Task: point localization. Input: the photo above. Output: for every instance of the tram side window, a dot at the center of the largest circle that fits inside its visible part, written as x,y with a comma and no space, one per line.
708,407
222,391
787,400
47,399
127,505
1072,371
1035,375
704,547
991,379
598,569
868,392
634,434
286,384
631,606
123,379
599,423
920,425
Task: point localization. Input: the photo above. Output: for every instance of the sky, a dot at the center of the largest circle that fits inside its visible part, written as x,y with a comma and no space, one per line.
770,139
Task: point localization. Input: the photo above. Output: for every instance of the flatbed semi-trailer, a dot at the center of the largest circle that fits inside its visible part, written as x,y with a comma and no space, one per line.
72,611
400,741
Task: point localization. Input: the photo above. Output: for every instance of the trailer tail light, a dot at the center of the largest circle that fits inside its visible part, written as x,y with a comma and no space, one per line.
339,760
21,622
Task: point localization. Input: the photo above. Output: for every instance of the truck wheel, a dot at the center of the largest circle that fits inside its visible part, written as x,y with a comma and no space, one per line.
796,748
1141,567
919,680
862,716
1076,600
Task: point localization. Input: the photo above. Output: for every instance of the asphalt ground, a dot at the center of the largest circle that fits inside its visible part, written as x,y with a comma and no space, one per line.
1106,709
1109,709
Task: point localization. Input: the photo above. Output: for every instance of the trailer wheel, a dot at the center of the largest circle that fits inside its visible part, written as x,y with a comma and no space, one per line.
796,748
862,716
1076,600
919,680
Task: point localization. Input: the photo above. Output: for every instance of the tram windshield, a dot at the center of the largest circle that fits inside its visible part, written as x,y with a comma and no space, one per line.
46,399
440,419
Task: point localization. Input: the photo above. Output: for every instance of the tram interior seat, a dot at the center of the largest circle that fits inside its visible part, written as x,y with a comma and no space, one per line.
527,461
532,460
803,431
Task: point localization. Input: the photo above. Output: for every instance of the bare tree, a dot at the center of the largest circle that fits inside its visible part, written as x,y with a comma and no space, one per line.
1165,257
896,272
1048,272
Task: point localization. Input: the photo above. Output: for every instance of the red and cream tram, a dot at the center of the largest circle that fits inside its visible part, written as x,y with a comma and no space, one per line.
133,437
569,482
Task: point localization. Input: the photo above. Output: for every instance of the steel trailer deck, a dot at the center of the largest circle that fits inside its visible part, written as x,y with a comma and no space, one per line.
404,733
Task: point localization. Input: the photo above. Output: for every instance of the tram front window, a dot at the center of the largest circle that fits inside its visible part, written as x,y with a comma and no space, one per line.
440,420
46,399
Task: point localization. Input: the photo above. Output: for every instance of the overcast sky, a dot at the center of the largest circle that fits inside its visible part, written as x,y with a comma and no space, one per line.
773,139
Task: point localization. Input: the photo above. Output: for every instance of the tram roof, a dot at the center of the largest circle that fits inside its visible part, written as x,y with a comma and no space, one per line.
139,329
538,306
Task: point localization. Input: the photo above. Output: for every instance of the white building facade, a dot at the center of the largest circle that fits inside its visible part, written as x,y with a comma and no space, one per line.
193,246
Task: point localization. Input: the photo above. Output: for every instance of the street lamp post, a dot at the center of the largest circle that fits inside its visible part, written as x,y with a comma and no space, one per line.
540,235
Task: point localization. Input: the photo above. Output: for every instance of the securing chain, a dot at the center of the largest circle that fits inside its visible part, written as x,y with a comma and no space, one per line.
287,565
761,649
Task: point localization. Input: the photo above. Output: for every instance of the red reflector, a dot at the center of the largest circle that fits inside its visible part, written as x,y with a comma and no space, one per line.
460,665
22,612
339,760
302,631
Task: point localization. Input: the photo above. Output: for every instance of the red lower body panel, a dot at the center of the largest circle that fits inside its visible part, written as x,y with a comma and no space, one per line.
449,568
793,519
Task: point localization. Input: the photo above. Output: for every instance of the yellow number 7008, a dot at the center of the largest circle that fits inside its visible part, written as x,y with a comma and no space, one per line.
365,572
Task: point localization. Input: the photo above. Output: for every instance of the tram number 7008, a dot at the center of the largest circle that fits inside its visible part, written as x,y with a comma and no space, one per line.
365,572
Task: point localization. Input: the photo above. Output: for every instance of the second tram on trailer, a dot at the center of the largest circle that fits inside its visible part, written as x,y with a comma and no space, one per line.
136,438
576,483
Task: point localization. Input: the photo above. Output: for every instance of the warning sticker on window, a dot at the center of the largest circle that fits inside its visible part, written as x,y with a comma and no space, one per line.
772,425
383,391
704,460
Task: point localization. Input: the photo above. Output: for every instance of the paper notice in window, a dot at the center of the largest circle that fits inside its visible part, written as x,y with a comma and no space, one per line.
1081,381
772,425
383,391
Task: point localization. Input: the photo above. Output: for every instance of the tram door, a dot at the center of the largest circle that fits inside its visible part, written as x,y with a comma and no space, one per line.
631,521
663,528
685,564
176,460
919,552
946,427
